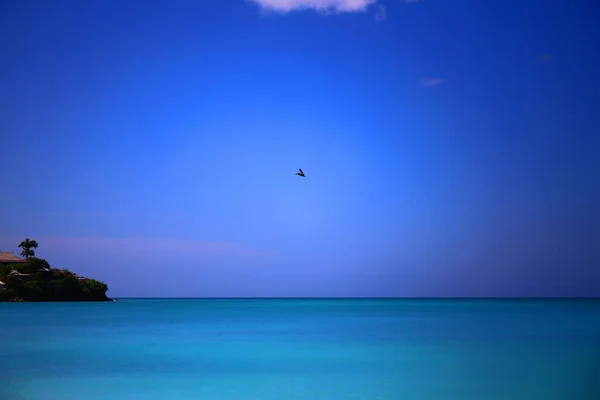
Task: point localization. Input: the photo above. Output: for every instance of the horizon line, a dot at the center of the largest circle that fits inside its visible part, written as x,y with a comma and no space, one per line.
369,298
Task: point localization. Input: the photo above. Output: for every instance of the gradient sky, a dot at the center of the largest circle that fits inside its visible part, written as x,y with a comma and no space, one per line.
451,148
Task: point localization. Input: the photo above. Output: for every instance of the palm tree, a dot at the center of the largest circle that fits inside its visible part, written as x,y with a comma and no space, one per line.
28,246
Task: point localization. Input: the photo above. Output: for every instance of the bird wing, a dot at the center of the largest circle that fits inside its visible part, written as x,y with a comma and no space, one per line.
300,170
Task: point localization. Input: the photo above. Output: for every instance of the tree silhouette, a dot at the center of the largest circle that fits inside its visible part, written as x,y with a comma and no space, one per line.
28,246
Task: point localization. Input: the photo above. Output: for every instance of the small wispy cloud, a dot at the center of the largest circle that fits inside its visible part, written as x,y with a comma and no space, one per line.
546,58
411,1
284,6
381,13
431,82
140,245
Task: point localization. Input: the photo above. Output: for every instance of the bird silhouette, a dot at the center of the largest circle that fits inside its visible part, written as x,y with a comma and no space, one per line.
300,173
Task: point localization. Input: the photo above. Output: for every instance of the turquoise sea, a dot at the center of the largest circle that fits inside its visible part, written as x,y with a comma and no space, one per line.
301,349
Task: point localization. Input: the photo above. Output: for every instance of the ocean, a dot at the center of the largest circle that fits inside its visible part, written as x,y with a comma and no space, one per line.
321,349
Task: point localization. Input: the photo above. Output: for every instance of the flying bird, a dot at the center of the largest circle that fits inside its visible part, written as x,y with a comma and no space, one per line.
300,173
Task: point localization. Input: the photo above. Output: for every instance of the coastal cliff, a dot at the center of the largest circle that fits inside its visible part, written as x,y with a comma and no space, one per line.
34,280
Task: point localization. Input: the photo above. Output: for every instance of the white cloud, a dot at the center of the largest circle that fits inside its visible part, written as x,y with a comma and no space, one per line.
431,82
284,6
381,13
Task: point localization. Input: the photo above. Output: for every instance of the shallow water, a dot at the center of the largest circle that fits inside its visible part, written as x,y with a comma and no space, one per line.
301,349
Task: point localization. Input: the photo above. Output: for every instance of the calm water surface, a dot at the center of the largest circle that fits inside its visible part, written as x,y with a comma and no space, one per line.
301,349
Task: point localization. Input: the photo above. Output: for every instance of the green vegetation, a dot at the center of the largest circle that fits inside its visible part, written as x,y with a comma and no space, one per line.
28,246
36,280
42,283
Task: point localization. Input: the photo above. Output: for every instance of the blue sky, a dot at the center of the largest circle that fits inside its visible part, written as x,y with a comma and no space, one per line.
450,148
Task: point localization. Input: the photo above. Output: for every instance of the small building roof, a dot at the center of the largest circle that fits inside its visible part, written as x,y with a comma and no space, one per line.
10,258
17,273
